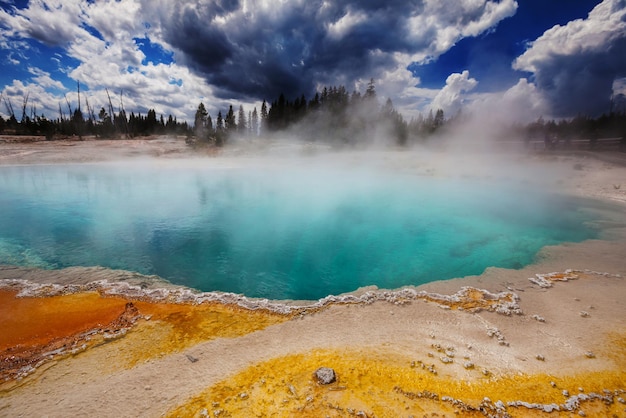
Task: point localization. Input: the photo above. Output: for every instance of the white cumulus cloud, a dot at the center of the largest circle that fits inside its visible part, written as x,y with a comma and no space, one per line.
451,97
243,51
575,65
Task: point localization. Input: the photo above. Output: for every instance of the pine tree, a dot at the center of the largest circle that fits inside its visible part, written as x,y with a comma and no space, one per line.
220,122
200,118
370,93
219,130
254,122
324,98
151,122
229,123
314,104
242,124
439,118
264,116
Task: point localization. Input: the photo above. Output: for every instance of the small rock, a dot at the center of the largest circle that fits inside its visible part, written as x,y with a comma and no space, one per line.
584,314
553,384
446,360
191,358
243,395
540,357
582,413
325,376
565,393
468,365
590,354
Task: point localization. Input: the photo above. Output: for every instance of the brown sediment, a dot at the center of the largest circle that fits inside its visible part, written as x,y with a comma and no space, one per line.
174,327
473,299
36,329
41,327
429,375
37,321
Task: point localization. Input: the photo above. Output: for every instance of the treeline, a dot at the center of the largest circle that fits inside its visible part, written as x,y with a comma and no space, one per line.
107,124
333,115
217,132
612,125
337,116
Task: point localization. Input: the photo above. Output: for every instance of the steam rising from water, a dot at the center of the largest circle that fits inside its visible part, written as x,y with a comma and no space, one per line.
280,228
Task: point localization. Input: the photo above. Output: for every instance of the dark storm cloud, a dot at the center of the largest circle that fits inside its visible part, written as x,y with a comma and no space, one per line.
266,54
259,50
189,30
242,50
582,83
574,66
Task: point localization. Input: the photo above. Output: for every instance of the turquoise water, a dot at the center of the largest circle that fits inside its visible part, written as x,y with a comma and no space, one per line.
297,233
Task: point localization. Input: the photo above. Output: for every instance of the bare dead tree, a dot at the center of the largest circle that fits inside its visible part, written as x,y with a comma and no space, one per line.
111,114
69,108
9,107
78,91
24,104
90,113
123,113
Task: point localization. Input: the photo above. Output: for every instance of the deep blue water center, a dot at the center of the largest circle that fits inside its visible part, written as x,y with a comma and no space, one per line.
290,233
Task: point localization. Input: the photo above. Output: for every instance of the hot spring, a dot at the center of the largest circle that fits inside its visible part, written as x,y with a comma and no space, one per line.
299,232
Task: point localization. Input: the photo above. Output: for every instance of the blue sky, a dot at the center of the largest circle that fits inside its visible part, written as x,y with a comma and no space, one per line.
513,59
489,56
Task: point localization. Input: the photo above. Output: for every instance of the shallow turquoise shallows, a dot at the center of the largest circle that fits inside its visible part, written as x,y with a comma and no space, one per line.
297,233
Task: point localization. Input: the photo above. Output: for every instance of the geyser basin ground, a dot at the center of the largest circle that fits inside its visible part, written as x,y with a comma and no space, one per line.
381,351
278,231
